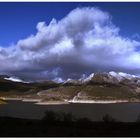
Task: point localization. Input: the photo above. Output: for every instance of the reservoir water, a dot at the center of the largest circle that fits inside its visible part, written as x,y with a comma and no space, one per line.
126,112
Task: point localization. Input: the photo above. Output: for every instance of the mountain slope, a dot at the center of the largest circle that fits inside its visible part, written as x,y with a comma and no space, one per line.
9,88
97,86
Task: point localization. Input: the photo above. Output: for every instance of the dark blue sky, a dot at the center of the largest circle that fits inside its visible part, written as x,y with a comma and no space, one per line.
18,20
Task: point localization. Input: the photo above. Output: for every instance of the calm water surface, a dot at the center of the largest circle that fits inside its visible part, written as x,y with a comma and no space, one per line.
119,111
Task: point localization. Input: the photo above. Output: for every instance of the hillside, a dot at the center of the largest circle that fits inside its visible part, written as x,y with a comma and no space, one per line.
98,86
10,88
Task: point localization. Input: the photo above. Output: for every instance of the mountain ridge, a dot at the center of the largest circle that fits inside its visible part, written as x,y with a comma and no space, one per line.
96,86
112,75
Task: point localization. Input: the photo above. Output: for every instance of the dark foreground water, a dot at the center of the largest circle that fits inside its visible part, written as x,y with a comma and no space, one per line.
120,111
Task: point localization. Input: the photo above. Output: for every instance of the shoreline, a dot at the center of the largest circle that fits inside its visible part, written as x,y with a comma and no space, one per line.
31,100
12,99
99,101
38,101
51,103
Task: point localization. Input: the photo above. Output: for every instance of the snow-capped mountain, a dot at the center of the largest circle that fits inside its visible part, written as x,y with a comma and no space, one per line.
83,79
111,77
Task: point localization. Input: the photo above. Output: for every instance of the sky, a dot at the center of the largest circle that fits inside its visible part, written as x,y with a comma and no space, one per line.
56,41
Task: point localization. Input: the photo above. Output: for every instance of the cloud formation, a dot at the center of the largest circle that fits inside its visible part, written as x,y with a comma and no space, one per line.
83,42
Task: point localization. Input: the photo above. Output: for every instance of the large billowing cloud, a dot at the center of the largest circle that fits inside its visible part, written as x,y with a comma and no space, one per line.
84,41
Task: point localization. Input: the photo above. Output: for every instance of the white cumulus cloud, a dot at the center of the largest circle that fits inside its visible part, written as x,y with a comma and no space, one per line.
83,42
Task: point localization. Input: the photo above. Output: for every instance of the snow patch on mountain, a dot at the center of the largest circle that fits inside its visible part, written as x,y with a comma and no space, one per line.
89,77
58,80
128,76
116,75
121,75
69,80
15,79
83,79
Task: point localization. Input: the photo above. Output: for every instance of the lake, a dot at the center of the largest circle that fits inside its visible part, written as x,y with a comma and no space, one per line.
127,112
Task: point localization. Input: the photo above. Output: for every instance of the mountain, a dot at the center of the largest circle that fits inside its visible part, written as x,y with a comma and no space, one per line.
103,78
96,86
111,77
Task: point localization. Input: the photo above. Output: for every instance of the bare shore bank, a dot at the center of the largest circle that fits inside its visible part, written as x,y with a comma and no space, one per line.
52,103
99,101
39,102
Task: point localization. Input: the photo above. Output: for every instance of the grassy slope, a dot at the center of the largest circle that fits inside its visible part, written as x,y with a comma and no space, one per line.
94,91
61,93
9,88
107,92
